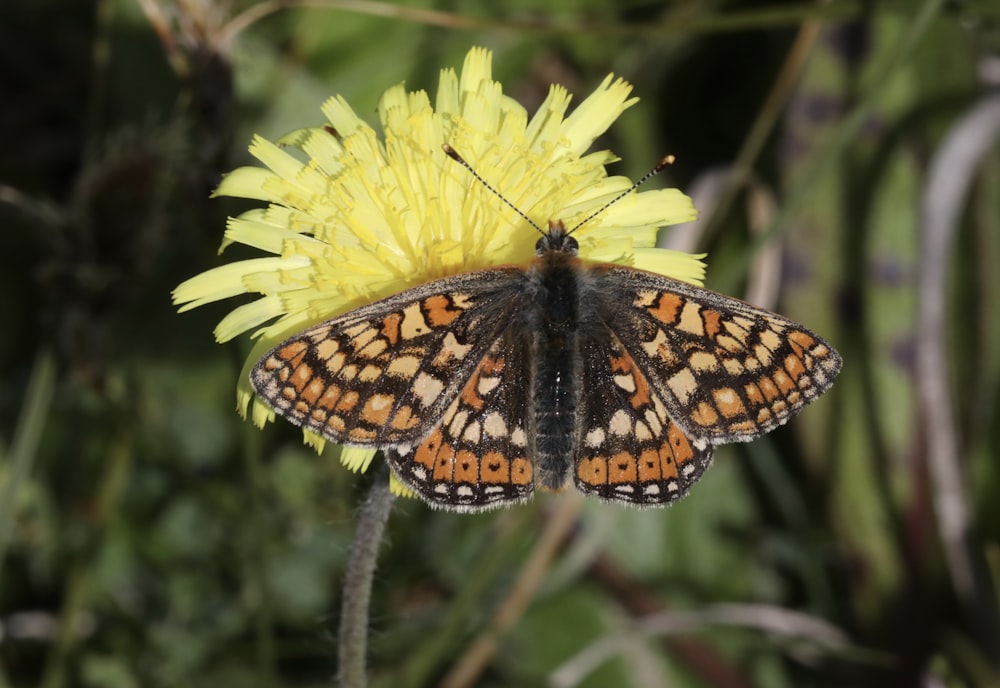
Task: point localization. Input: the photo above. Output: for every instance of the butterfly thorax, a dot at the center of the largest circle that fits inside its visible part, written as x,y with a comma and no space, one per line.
556,313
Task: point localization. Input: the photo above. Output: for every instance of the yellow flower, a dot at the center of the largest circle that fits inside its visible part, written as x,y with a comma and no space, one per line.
363,218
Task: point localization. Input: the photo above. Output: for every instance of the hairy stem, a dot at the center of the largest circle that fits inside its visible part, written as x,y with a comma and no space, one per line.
358,582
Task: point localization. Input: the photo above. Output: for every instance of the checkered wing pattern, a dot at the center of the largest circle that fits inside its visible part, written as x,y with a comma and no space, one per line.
384,374
629,448
479,454
725,370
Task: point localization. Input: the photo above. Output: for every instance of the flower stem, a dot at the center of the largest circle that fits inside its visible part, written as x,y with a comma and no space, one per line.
358,582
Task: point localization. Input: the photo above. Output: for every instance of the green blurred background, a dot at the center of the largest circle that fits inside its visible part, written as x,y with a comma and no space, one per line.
149,537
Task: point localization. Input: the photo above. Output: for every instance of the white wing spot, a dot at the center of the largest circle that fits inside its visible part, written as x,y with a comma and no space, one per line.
457,423
726,396
762,353
413,324
427,389
770,339
404,366
652,347
621,423
494,425
380,401
472,433
351,331
702,361
487,385
732,366
458,350
595,438
654,422
626,382
690,320
682,384
327,348
518,438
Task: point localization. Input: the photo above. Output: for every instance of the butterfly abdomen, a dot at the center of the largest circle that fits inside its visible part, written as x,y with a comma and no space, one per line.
556,316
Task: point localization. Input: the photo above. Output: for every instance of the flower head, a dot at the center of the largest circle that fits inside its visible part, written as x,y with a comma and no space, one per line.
353,218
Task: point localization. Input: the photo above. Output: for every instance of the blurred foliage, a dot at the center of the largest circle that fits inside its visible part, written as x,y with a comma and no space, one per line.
148,537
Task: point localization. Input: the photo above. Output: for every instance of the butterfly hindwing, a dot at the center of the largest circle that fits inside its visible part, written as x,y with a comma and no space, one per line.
726,371
629,449
384,374
479,454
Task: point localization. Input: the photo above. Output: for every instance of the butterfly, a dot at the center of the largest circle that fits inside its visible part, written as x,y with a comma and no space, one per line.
481,386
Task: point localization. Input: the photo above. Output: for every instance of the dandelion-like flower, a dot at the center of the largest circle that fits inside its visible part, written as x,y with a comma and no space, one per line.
363,218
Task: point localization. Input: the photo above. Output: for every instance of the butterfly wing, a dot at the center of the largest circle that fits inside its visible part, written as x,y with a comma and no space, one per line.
478,456
383,374
725,370
629,449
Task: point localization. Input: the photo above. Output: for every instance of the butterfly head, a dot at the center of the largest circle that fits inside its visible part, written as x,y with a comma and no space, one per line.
556,239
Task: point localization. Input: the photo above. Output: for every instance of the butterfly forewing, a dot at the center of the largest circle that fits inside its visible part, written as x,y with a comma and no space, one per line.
727,371
384,374
629,449
479,455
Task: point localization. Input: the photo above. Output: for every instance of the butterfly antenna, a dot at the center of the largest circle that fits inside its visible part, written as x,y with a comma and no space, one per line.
453,154
657,168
